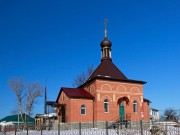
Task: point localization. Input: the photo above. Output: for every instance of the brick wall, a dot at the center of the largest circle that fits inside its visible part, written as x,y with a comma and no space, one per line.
112,91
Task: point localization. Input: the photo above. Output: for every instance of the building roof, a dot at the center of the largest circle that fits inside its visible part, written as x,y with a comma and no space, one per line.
75,93
154,109
14,119
146,100
53,104
107,69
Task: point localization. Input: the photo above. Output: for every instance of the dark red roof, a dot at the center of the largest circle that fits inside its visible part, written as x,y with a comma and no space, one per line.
75,93
146,100
107,69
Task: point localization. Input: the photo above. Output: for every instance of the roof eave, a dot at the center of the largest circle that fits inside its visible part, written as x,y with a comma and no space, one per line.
59,95
82,98
146,100
109,78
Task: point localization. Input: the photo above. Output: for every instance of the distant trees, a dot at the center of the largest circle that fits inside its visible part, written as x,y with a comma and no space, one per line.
26,94
170,114
82,78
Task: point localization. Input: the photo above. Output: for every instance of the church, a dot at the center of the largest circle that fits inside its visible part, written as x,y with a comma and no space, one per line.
107,95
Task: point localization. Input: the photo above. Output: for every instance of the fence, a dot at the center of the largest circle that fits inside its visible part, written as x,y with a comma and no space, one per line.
98,128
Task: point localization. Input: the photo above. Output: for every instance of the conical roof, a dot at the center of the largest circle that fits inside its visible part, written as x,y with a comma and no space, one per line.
107,69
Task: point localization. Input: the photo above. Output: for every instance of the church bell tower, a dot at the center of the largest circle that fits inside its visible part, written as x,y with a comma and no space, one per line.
105,45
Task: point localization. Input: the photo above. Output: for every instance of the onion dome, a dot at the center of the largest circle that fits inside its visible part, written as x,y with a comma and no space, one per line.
106,42
105,45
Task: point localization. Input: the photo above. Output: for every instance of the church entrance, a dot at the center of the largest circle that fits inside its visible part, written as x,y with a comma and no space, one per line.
63,112
121,110
122,102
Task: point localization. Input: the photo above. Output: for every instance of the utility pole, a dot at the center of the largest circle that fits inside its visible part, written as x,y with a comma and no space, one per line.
45,100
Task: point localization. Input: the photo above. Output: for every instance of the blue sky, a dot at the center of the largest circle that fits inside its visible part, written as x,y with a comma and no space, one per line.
57,40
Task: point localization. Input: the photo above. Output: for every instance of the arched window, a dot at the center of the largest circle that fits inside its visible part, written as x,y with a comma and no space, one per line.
122,103
135,106
83,110
106,106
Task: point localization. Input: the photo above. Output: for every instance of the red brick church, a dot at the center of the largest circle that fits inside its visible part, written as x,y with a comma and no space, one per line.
107,95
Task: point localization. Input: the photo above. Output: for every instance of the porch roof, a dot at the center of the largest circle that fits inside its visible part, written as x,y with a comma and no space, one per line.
75,93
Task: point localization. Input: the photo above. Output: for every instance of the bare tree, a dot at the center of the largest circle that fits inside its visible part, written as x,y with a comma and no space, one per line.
170,114
18,88
82,78
34,91
27,96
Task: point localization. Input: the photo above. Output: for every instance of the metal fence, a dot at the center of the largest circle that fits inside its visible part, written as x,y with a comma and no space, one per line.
97,128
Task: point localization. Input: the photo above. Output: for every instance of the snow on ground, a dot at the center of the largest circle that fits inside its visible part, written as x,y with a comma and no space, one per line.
95,131
76,132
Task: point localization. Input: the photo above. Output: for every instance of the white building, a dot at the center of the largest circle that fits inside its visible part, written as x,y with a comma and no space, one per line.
154,115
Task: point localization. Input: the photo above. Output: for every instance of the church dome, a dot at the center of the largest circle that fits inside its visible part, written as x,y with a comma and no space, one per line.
106,42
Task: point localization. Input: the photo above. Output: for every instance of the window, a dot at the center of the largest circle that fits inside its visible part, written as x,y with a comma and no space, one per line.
122,103
106,106
135,106
83,110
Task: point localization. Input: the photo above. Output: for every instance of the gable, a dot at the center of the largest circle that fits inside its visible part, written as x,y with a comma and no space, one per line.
63,97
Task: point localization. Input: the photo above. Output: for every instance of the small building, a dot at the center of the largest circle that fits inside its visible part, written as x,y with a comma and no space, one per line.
17,120
107,95
45,120
154,115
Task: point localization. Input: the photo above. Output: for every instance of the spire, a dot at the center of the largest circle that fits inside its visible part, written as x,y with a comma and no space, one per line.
105,45
105,28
